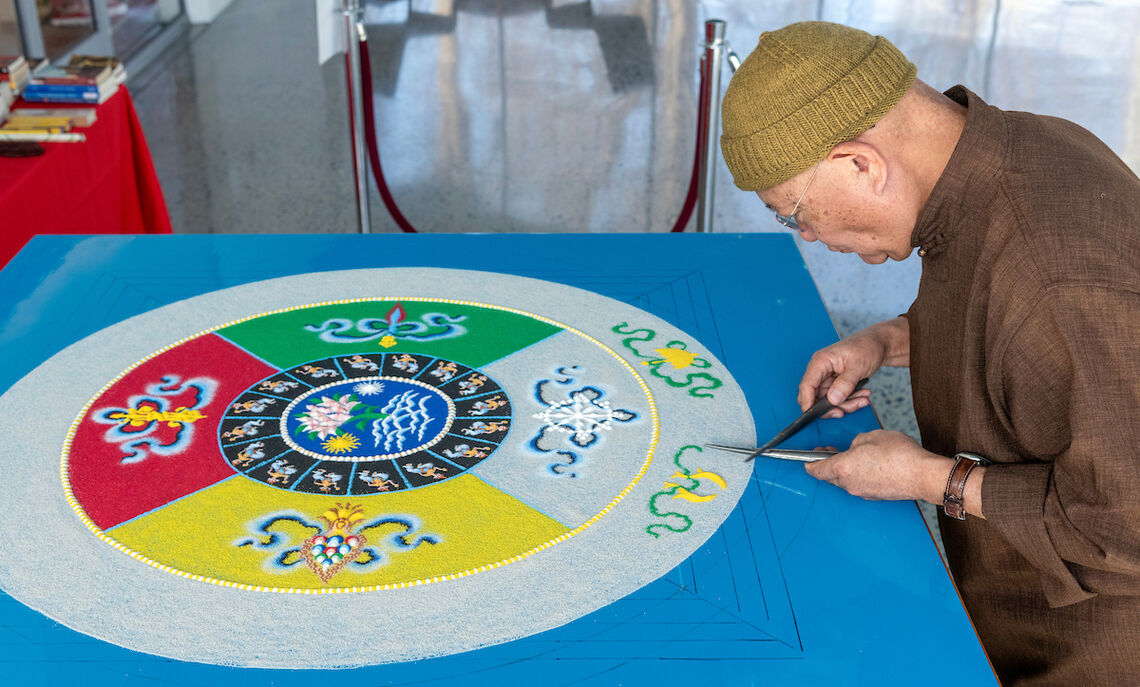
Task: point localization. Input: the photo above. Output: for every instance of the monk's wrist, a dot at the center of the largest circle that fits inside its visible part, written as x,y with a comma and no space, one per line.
936,475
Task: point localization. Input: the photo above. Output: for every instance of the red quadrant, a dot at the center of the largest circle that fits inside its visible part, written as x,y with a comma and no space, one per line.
119,471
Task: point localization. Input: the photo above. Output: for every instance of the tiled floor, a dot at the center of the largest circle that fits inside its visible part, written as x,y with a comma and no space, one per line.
573,116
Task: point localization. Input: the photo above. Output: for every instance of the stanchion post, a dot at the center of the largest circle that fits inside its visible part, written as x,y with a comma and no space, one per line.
353,28
710,121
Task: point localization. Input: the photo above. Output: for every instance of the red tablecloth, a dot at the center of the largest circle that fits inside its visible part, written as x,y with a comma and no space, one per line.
105,185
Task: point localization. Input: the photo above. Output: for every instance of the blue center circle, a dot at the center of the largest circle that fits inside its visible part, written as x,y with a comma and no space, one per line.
367,418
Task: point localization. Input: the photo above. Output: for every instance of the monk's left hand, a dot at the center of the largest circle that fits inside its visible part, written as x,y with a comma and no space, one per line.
886,466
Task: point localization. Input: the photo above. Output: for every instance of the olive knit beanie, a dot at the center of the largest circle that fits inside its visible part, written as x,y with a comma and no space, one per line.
805,89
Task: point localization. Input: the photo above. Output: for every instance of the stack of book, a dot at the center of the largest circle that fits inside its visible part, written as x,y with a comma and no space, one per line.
28,124
14,73
7,97
118,72
86,79
33,118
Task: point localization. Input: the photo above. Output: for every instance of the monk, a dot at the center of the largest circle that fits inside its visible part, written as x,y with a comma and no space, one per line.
1023,341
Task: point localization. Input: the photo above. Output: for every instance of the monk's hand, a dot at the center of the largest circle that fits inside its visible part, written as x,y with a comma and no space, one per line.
836,370
886,466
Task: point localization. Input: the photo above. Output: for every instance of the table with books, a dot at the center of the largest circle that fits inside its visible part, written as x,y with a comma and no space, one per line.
101,181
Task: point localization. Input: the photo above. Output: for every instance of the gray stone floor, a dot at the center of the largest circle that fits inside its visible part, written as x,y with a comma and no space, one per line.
573,116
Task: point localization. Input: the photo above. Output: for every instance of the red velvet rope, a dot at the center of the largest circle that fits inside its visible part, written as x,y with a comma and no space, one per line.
370,142
694,180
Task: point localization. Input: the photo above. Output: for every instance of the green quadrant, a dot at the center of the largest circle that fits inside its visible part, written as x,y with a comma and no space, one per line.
294,337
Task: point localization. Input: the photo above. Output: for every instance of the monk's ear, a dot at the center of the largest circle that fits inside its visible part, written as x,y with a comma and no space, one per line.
862,163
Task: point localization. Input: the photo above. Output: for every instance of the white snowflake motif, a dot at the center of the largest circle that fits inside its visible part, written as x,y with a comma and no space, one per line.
583,416
368,388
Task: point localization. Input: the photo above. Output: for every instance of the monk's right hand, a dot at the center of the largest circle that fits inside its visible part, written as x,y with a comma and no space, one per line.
836,370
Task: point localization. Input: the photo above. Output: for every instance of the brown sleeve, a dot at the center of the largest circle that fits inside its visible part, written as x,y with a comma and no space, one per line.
1070,380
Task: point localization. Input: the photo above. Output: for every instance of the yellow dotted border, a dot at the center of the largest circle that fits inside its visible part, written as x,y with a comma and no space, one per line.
75,506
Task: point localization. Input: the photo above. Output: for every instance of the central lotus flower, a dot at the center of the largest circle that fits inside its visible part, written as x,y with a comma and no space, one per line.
326,417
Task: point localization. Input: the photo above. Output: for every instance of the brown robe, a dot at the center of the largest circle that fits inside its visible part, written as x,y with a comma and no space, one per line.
1025,348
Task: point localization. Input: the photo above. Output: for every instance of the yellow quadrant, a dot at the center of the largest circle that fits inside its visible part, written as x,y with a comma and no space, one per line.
472,523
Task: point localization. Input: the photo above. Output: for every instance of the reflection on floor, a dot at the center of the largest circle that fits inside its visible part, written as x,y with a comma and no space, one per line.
135,26
573,116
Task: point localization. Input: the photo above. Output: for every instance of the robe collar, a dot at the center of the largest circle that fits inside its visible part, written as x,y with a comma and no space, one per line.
974,165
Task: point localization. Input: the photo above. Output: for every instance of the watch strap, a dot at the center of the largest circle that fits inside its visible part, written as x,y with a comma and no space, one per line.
953,499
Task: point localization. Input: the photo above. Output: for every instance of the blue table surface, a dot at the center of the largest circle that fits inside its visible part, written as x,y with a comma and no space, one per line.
802,584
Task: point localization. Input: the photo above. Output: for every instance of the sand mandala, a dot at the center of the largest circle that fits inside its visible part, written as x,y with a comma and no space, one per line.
438,460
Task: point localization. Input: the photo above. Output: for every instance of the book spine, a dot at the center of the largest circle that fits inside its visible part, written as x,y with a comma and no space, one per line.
47,138
59,89
86,98
63,81
6,129
16,122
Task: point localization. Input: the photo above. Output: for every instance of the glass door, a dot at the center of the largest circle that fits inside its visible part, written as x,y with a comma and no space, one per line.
135,31
67,25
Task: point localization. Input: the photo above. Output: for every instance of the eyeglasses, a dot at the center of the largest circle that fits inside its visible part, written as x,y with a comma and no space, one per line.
789,220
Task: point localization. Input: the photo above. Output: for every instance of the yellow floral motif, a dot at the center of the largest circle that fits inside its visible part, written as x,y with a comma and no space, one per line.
684,493
341,444
388,341
342,518
144,415
677,357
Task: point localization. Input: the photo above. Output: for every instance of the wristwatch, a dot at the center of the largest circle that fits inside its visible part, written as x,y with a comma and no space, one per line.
953,498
